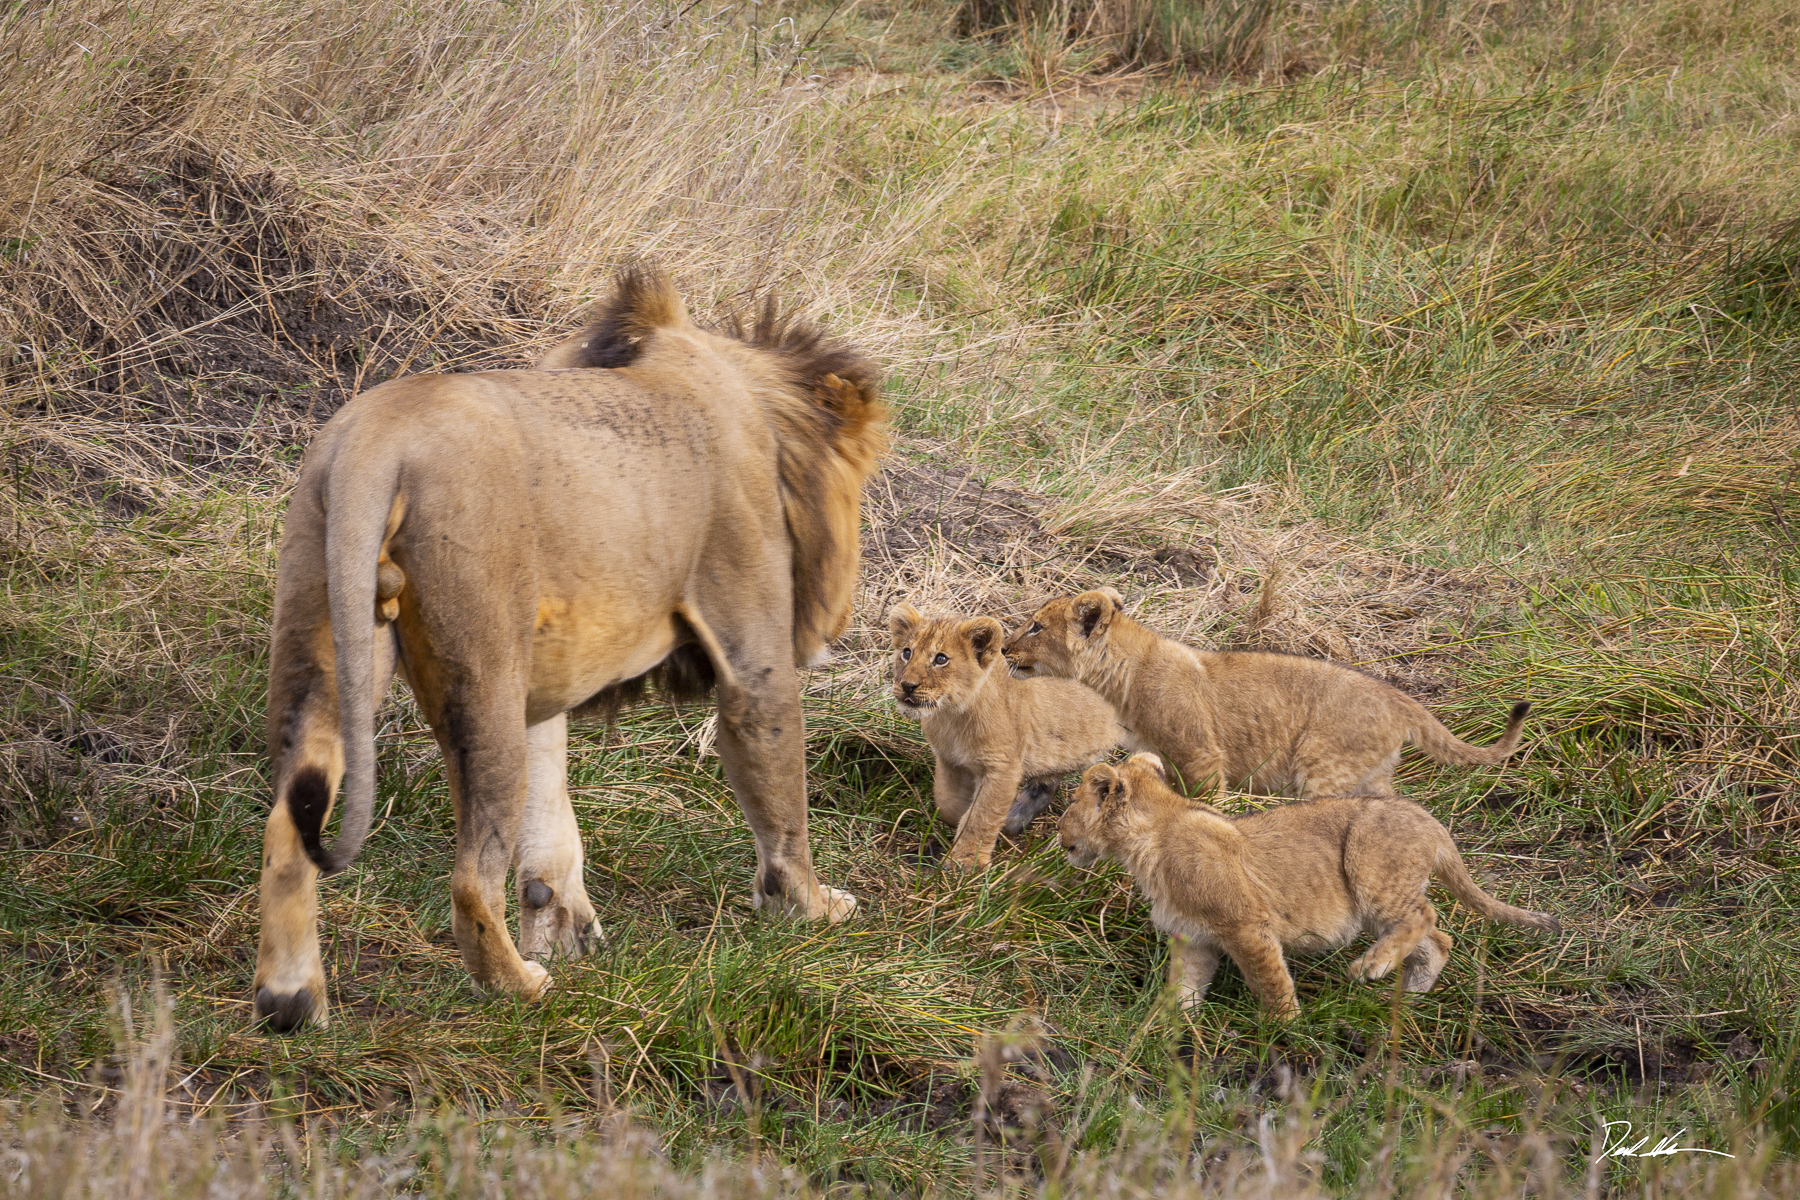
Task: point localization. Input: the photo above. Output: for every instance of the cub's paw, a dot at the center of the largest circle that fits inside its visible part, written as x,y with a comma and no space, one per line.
1033,799
962,864
1368,968
1419,979
828,904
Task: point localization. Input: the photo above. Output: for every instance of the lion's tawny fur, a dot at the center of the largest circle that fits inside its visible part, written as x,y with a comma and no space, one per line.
657,500
1308,876
990,732
1247,720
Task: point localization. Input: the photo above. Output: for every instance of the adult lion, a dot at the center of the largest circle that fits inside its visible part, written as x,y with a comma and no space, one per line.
655,501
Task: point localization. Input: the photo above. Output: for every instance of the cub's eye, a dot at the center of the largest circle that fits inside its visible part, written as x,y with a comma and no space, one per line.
1035,628
940,660
906,654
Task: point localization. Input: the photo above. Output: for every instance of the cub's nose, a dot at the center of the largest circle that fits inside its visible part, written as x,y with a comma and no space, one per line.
908,688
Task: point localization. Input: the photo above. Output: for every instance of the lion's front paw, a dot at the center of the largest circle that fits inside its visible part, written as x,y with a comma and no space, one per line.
1369,968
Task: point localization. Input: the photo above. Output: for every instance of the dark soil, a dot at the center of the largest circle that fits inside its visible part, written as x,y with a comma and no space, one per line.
912,505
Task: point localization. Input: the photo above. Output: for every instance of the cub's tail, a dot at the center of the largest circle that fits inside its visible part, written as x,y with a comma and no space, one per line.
1430,736
1450,871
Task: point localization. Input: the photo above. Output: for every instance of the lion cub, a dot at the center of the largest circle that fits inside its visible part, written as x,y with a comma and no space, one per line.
1308,876
1249,720
989,731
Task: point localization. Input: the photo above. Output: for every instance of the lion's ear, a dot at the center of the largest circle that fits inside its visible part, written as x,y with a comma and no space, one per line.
902,620
1115,800
840,395
1113,594
1094,611
1104,779
984,635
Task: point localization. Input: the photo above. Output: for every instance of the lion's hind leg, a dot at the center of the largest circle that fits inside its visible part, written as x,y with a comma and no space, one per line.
1426,962
555,914
483,738
762,742
1033,799
1400,939
307,750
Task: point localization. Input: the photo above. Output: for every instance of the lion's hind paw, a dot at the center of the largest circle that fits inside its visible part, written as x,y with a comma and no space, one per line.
839,904
537,981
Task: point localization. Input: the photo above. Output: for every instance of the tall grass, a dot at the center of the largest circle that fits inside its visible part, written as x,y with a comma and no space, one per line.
150,1143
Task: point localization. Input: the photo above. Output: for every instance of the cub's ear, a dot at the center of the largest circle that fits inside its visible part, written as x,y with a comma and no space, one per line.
1111,788
1150,762
1112,593
984,635
1103,778
902,620
1094,610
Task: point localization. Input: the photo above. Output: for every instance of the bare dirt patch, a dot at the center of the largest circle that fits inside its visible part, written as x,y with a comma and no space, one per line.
1211,570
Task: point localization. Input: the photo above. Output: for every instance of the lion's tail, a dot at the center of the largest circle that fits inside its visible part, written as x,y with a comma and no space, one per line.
359,495
1430,736
1450,871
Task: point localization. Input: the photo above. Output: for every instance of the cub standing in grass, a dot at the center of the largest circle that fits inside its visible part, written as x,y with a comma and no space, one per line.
988,731
1310,876
1250,720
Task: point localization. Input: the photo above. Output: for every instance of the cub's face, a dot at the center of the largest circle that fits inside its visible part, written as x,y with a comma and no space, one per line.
1101,816
1085,823
1062,633
940,662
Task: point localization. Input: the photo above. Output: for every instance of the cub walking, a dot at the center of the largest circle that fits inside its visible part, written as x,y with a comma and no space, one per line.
1308,876
1242,719
988,731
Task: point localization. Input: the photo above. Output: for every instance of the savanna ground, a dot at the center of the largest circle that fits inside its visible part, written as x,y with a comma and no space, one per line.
1454,340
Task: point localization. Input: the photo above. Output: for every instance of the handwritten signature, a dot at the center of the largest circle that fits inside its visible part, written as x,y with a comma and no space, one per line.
1663,1148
